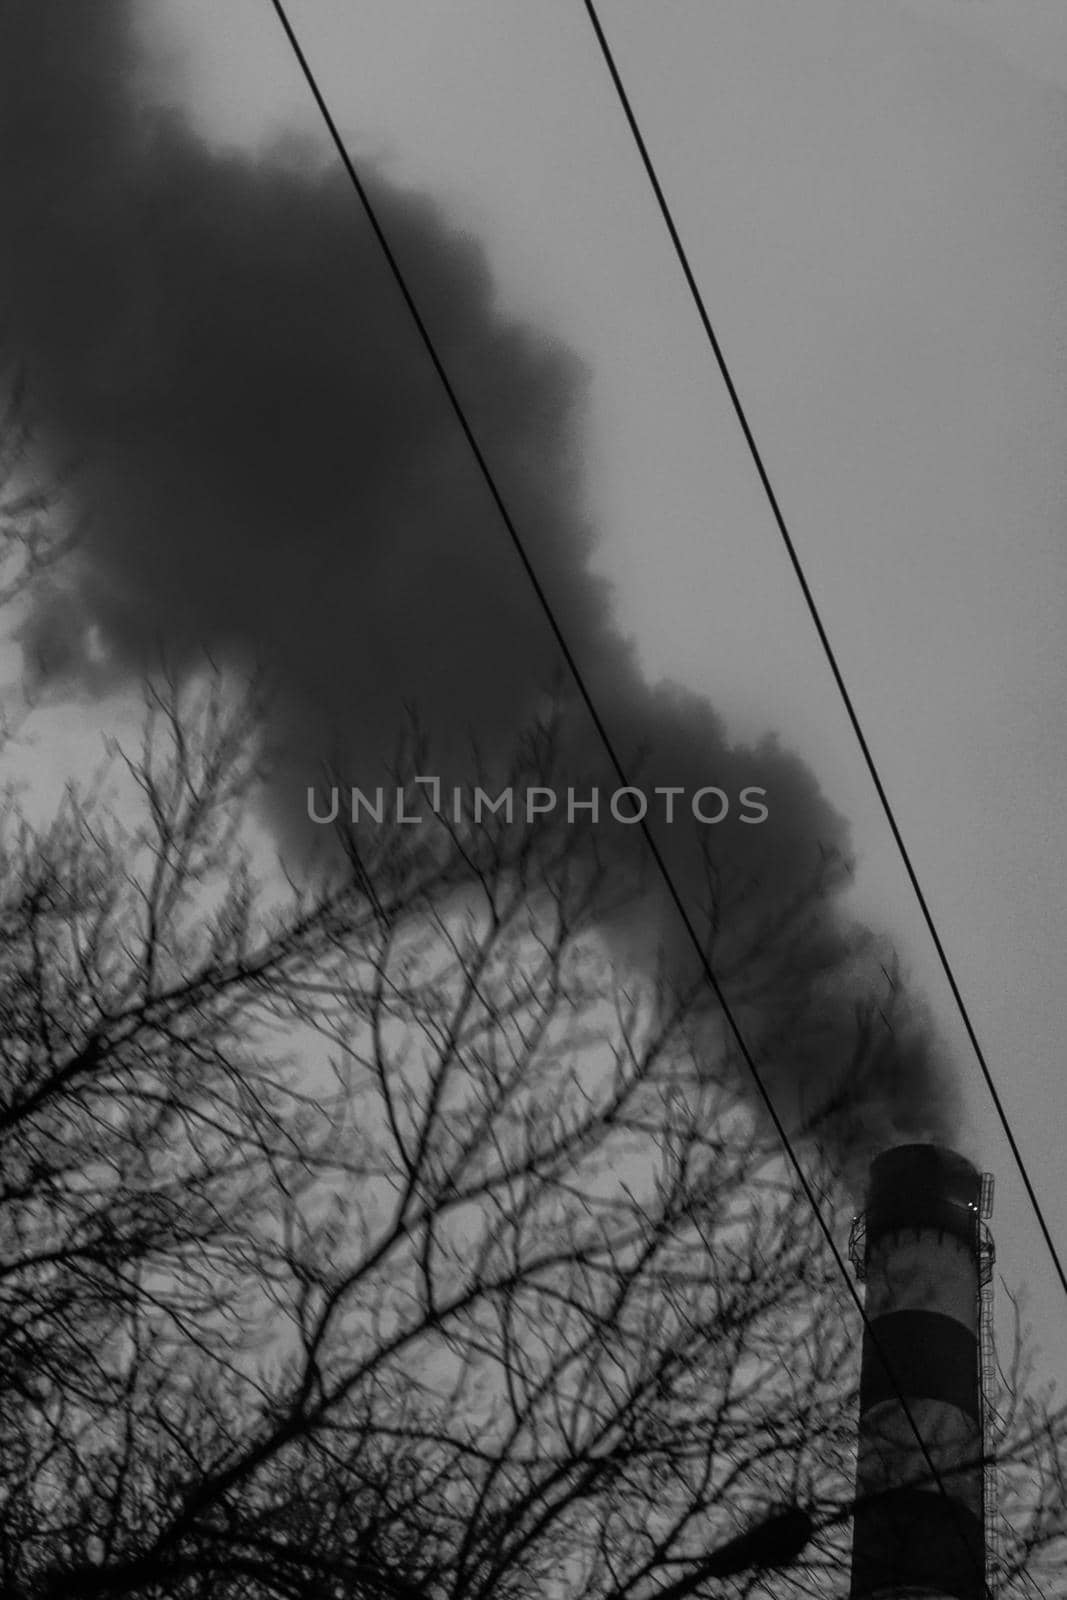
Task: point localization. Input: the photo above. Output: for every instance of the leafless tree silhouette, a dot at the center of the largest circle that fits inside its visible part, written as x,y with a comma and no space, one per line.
372,1235
34,536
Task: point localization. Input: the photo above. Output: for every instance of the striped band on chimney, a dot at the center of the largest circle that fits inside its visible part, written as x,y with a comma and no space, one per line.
923,1250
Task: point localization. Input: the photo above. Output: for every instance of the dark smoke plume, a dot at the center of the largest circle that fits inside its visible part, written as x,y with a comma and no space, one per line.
214,341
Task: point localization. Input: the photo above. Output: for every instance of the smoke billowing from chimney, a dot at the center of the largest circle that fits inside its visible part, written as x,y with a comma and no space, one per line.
274,472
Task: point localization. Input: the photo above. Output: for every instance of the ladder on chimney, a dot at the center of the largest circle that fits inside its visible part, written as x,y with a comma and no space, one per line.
991,1423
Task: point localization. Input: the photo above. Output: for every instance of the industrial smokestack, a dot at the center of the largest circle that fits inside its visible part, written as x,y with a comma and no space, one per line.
927,1259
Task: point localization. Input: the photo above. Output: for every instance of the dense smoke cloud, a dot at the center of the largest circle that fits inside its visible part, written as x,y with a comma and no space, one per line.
273,471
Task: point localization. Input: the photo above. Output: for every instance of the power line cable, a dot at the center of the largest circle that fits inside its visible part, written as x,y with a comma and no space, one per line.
820,629
602,732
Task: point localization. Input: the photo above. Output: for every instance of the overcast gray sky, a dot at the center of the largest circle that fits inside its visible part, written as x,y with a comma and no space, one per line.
872,199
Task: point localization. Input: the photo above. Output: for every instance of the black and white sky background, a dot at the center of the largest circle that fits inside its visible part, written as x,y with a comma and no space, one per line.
872,199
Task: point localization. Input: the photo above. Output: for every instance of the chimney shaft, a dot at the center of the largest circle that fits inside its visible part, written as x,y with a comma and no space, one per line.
922,1249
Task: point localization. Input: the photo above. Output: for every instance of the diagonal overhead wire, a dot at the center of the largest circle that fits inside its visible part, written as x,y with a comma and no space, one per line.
820,628
609,747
